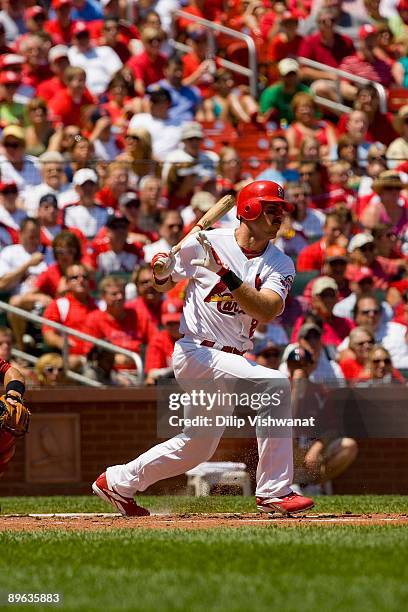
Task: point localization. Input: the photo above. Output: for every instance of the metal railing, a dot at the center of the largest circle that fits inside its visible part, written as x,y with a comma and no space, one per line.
251,72
342,74
69,331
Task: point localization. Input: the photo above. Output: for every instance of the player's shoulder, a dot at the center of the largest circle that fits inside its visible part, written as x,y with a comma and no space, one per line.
277,259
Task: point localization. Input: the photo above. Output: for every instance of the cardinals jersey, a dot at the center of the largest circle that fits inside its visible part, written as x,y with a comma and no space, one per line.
210,311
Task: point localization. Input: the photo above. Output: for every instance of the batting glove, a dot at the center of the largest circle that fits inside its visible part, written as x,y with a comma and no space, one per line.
211,259
163,265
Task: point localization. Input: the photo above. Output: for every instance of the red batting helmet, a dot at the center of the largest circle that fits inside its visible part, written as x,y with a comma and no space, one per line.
252,196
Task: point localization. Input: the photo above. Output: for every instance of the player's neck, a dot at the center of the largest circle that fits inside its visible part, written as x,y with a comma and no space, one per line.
249,243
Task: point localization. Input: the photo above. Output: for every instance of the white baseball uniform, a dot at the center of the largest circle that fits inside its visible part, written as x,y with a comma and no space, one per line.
211,313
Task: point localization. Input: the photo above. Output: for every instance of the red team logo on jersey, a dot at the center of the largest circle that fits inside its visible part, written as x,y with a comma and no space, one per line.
224,298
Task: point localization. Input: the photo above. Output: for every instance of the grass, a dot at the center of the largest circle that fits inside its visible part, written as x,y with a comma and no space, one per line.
347,568
180,504
342,568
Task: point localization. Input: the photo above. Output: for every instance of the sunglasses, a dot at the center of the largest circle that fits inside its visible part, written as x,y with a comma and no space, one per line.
76,277
367,248
49,369
363,342
156,39
386,361
374,311
13,145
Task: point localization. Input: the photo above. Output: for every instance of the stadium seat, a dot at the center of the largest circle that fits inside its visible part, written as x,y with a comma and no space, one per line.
396,98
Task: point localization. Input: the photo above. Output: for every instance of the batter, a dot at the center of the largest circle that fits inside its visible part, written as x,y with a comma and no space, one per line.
237,279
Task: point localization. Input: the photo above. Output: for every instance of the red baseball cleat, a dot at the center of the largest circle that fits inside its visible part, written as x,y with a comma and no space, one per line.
126,505
288,504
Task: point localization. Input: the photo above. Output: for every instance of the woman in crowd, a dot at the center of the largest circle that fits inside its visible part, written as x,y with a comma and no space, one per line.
50,371
229,103
39,130
138,154
306,124
230,176
386,204
66,248
379,368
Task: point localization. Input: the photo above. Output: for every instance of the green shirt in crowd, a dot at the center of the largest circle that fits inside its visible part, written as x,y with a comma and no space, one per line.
275,97
14,113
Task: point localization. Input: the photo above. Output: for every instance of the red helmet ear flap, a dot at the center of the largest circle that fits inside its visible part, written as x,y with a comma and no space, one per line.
249,210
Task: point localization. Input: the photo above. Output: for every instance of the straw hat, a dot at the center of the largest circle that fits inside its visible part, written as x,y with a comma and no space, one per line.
399,118
388,178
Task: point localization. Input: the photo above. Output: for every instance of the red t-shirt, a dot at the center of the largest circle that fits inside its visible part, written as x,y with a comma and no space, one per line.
152,310
105,198
47,282
311,257
279,48
130,332
379,130
191,62
381,276
34,77
71,312
334,331
49,88
313,48
60,35
351,368
159,351
65,110
127,31
343,292
147,70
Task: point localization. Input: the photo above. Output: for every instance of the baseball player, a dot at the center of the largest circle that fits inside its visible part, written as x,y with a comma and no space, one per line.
237,278
14,416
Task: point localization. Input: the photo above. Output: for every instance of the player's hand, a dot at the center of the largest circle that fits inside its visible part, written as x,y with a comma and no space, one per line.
163,265
211,260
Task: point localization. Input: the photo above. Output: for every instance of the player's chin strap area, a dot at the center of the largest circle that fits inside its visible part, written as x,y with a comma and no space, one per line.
212,344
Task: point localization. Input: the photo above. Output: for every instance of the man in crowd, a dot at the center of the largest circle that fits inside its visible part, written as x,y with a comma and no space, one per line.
185,101
160,349
312,256
15,165
275,101
170,231
278,170
58,62
53,181
86,215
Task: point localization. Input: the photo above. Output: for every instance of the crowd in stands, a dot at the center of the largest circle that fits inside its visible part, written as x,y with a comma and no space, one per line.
121,126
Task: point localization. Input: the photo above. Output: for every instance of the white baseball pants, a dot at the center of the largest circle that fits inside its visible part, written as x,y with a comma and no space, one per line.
183,452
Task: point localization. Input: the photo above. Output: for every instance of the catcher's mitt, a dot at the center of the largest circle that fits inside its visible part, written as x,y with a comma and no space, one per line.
14,416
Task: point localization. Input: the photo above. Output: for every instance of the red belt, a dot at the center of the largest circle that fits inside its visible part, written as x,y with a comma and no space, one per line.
226,349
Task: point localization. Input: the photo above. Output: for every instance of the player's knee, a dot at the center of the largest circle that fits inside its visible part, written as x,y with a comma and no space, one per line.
350,446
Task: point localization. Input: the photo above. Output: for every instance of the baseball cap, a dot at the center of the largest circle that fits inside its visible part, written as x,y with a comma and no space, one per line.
10,78
53,157
359,274
57,52
358,241
80,27
191,129
203,200
289,16
171,311
299,354
127,198
56,4
158,94
307,328
34,11
323,283
48,198
11,59
83,175
288,65
335,252
366,30
13,130
6,185
114,222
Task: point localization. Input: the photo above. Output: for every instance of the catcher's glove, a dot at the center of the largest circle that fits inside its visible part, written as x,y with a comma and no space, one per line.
14,416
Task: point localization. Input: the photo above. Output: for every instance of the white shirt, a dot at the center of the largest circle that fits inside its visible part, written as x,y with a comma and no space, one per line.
26,178
392,336
99,63
312,224
210,311
14,256
345,308
165,133
12,220
160,246
326,370
65,195
107,151
110,262
206,159
88,219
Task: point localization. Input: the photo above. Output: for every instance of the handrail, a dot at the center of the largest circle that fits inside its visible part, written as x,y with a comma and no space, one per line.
69,331
252,71
305,61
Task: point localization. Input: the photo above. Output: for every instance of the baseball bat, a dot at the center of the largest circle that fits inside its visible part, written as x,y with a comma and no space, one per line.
215,213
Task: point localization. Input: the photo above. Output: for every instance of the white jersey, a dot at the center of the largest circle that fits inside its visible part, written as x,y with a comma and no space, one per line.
210,311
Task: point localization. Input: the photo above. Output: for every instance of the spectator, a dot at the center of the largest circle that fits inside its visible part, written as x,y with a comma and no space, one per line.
112,253
86,215
229,103
160,348
230,170
148,298
387,243
15,165
311,258
386,204
364,63
111,37
379,368
267,354
170,231
362,252
99,367
116,185
398,149
304,219
138,153
393,336
360,282
35,18
347,151
380,128
361,342
39,130
12,17
71,310
376,164
288,239
10,215
278,170
148,67
58,62
150,189
49,369
129,207
99,63
67,105
11,112
66,248
306,124
339,191
199,68
192,137
356,128
201,202
118,324
185,101
327,47
34,48
313,176
119,105
324,297
87,10
335,263
48,216
61,29
287,41
276,100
